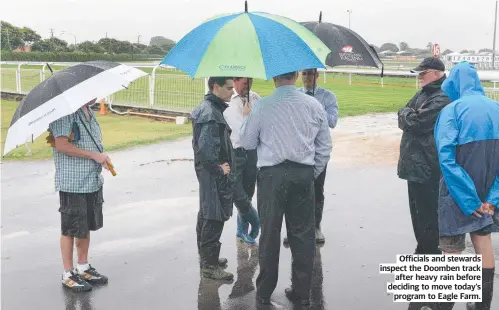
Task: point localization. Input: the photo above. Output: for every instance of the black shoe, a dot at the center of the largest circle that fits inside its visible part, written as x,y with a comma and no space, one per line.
92,276
263,301
76,283
292,296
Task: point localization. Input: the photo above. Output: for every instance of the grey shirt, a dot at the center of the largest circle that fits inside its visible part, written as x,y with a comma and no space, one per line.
288,125
328,101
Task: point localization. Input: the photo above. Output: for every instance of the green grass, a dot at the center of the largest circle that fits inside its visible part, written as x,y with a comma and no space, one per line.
119,132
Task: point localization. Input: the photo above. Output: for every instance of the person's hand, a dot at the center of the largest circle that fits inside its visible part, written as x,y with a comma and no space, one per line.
226,168
485,208
490,207
102,159
246,108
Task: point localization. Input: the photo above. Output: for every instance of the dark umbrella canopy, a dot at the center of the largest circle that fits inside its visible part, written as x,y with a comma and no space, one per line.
64,93
58,83
347,47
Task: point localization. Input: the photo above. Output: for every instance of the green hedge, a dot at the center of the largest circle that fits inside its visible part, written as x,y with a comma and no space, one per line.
72,57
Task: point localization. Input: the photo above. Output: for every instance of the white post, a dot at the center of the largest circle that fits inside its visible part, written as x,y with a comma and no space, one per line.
206,87
325,71
43,72
18,78
350,79
27,148
382,83
152,83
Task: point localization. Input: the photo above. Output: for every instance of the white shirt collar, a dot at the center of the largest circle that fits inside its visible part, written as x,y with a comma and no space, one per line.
236,94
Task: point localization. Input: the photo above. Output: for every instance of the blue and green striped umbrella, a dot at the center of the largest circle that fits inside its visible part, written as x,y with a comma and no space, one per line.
256,45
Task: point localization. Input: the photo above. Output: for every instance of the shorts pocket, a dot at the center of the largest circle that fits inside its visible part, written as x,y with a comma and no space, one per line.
70,203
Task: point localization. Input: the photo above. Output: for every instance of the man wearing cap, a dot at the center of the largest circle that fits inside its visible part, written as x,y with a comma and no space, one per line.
418,162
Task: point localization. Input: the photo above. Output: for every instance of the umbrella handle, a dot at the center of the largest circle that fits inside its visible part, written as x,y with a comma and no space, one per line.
51,71
111,169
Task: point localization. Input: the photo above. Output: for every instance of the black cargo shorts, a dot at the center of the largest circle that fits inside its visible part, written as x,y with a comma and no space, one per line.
81,213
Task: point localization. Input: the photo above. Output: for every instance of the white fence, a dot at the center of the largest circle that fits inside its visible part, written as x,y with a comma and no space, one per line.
167,89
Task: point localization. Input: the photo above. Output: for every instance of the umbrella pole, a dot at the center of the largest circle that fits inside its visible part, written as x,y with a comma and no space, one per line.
109,166
315,81
382,73
249,88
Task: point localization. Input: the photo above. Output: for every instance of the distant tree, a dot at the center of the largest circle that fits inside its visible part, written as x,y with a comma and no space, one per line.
156,50
90,47
43,46
50,45
29,35
389,47
429,46
140,46
11,37
446,52
376,48
161,41
167,47
108,44
404,46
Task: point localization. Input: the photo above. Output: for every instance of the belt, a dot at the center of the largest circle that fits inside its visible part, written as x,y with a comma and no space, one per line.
288,163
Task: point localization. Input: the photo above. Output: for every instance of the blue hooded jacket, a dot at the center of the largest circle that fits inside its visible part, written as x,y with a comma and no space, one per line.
467,140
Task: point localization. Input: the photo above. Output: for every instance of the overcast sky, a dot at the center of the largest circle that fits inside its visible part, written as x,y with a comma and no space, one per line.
454,24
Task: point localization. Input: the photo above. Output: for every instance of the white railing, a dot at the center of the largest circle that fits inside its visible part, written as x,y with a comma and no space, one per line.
164,88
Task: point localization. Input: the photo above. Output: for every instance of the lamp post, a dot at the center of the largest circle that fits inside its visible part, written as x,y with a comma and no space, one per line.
349,14
494,44
65,32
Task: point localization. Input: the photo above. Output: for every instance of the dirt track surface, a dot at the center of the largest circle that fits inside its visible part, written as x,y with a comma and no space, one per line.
366,140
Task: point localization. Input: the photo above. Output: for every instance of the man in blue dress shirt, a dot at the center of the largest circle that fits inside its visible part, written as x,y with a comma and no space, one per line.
290,132
330,104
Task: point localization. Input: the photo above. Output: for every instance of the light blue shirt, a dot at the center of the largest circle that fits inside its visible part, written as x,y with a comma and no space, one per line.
328,101
288,125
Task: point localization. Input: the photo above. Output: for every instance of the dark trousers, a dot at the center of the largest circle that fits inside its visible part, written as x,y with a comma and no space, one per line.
423,203
286,189
246,172
319,197
208,239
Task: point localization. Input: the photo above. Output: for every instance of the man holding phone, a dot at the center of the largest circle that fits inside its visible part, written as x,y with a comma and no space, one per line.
246,170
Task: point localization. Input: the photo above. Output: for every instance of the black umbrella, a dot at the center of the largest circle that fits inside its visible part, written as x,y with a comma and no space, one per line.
64,93
347,47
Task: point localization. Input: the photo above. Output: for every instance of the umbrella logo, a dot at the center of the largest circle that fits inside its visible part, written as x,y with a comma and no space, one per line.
347,49
232,68
347,54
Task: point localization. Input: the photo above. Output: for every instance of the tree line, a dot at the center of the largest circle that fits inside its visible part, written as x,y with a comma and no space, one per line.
26,39
404,46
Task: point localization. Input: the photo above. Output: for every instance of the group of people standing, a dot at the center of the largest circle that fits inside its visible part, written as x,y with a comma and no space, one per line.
449,155
282,143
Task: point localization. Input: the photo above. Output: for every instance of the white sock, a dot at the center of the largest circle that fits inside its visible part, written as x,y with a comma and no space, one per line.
66,274
82,267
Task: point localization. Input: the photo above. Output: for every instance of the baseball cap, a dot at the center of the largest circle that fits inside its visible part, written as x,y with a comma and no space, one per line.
430,63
